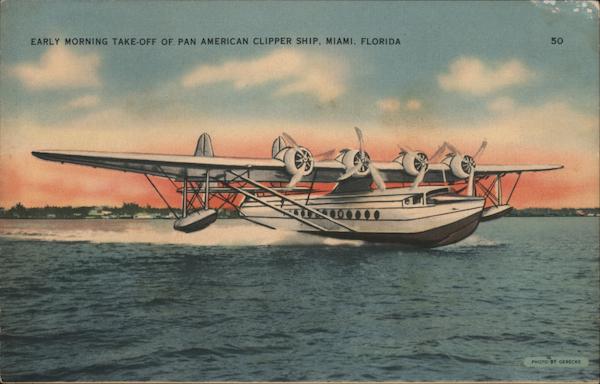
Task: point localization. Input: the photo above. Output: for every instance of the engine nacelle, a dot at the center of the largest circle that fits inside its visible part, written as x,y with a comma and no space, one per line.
461,166
298,160
351,157
413,162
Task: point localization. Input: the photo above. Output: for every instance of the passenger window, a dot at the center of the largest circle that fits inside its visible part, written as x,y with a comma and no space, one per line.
376,215
296,212
357,215
367,215
348,214
340,214
332,214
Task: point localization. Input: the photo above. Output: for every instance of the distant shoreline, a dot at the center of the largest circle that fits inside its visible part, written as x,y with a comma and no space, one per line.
137,212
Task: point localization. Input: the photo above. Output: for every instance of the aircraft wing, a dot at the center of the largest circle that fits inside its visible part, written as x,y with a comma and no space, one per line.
267,170
439,172
180,166
176,166
496,169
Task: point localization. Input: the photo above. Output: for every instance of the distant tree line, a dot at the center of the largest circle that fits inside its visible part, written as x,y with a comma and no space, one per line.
129,210
550,212
19,211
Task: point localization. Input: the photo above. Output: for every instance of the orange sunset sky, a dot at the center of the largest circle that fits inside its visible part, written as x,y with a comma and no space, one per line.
533,102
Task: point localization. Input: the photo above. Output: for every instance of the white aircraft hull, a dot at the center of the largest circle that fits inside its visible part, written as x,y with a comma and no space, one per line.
378,217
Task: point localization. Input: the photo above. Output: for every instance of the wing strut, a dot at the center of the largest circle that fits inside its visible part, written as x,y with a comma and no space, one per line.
282,211
513,188
488,194
287,199
226,200
162,197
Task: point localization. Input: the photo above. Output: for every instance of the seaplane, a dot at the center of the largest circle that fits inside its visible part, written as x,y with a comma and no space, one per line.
409,201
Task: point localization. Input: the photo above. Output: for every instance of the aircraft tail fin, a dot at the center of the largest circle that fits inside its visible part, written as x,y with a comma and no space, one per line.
204,147
278,144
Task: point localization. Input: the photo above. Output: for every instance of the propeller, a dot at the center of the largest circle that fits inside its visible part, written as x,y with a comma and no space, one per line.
414,162
298,160
473,166
377,177
470,190
294,180
289,139
481,149
361,140
467,163
439,151
327,155
361,159
422,159
453,149
361,163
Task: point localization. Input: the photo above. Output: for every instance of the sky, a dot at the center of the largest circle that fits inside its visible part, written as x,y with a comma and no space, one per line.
521,74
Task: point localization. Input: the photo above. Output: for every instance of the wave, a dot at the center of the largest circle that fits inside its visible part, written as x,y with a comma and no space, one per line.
229,233
473,241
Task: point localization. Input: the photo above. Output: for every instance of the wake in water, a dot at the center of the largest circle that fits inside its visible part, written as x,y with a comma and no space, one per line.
237,233
471,242
230,233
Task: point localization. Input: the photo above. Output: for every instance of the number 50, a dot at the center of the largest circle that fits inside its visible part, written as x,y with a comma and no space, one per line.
556,40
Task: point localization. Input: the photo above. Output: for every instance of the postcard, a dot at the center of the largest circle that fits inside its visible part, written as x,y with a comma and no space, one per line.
299,191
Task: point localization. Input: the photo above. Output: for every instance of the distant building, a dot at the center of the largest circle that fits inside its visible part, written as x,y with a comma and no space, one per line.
144,215
99,212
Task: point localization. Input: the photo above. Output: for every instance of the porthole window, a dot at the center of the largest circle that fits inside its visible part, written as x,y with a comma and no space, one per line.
357,215
296,212
376,215
309,213
340,214
332,214
349,214
302,213
367,215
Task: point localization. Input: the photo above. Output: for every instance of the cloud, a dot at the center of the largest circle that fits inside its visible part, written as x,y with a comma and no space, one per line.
583,7
392,104
389,105
86,101
293,72
555,125
413,104
60,67
501,104
472,76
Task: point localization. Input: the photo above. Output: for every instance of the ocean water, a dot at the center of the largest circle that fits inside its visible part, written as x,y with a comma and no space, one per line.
134,300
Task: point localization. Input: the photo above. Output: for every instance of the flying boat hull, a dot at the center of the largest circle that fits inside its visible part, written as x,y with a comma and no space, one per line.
393,216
